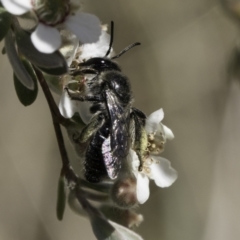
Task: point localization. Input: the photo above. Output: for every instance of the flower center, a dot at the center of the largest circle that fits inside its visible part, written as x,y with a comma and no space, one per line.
147,161
155,145
51,12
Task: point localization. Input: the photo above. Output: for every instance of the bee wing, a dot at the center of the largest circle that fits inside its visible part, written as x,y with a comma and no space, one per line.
119,134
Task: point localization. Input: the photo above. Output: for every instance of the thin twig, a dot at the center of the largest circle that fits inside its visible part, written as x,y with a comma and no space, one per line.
103,187
57,119
67,170
80,195
51,103
95,196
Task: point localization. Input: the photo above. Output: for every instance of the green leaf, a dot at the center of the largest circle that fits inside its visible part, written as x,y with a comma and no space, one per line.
108,230
5,22
54,83
53,71
25,95
61,198
53,63
125,217
17,64
102,229
123,233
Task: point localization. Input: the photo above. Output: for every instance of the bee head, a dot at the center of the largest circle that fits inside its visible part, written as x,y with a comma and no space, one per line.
99,64
124,50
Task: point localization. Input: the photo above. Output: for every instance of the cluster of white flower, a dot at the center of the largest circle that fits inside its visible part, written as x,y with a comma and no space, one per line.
52,17
95,42
154,167
60,26
84,52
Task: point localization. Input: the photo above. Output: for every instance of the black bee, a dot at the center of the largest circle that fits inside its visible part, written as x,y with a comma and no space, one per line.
109,133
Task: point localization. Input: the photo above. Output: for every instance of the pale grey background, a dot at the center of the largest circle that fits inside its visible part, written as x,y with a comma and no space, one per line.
181,66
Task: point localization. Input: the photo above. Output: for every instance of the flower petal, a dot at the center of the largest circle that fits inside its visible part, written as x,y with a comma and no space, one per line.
122,232
83,110
46,39
168,132
17,7
98,49
66,105
85,26
162,172
143,191
153,121
68,108
134,162
69,47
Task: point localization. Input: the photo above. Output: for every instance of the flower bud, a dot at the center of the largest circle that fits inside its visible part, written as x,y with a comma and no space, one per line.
124,192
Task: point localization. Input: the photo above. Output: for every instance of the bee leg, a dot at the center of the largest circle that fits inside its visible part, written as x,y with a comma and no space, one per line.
141,116
141,145
90,129
89,98
140,141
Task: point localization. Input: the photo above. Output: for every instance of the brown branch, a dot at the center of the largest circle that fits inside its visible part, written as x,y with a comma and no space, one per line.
51,103
57,119
67,170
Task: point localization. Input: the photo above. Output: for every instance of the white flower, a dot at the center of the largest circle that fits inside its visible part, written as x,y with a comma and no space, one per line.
153,167
68,107
69,47
46,37
86,51
17,7
97,49
157,132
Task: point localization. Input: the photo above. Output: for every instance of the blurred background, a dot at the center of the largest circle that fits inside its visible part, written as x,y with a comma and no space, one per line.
181,67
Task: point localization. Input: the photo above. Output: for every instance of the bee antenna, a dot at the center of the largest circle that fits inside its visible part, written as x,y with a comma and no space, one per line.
111,38
126,49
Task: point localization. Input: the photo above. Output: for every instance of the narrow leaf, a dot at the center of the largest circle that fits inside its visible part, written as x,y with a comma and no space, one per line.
54,83
17,65
53,71
108,230
25,95
125,217
102,229
61,198
5,22
123,233
46,62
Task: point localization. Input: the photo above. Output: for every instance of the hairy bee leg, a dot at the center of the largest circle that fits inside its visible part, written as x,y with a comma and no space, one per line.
140,143
90,129
141,116
88,98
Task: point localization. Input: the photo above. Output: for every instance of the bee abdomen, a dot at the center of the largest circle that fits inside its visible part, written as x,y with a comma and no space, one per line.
95,169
